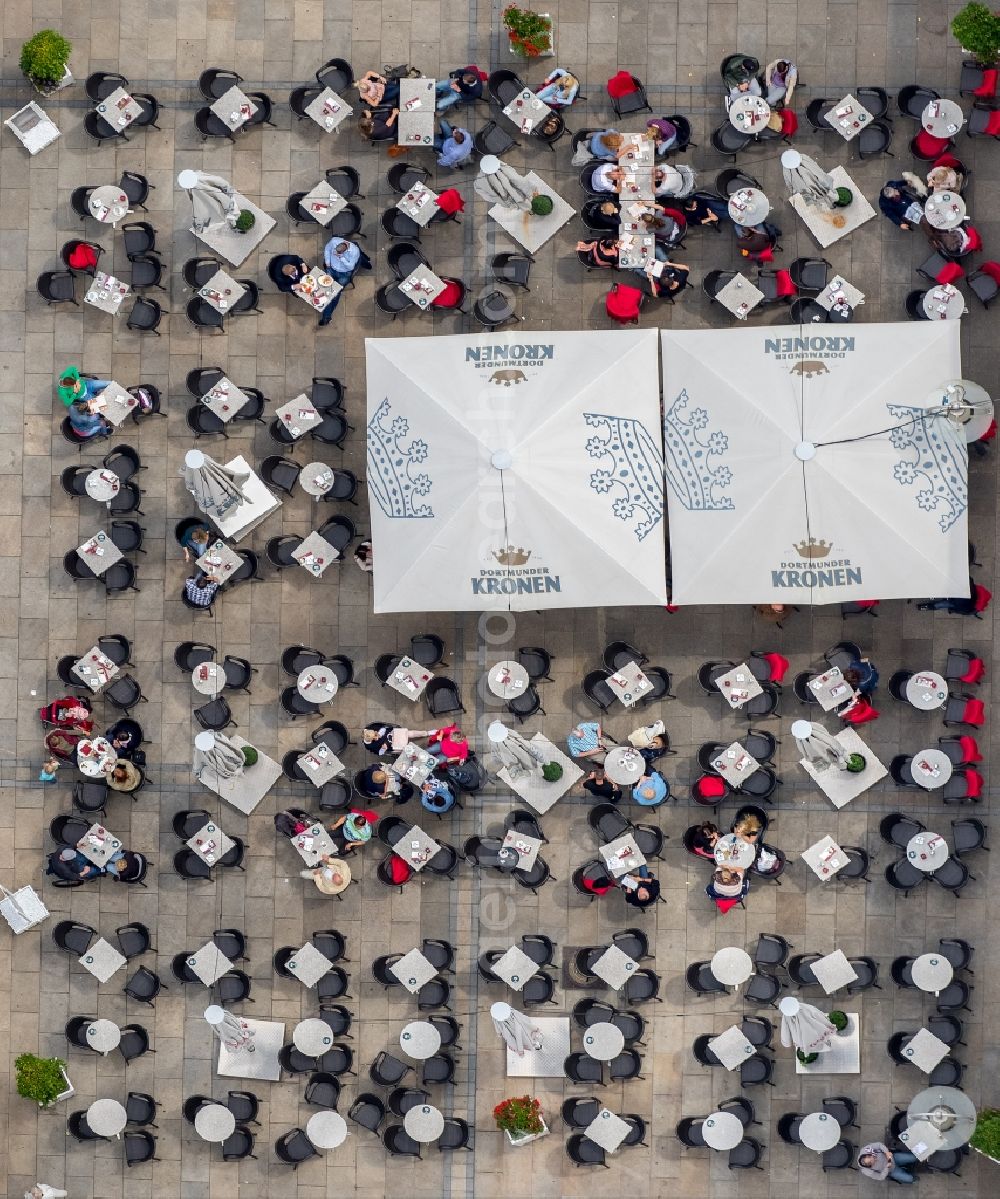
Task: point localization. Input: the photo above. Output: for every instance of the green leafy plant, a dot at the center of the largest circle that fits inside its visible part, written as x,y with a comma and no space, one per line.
249,755
44,56
552,772
40,1078
541,205
844,197
986,1137
245,221
520,1115
976,28
806,1058
530,33
856,763
838,1019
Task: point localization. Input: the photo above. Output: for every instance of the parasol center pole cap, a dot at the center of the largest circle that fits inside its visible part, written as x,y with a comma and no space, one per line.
789,1006
805,451
497,732
501,1011
194,459
791,159
205,741
801,729
215,1014
187,179
489,164
502,460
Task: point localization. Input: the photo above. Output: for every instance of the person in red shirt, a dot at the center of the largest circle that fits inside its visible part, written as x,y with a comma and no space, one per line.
448,744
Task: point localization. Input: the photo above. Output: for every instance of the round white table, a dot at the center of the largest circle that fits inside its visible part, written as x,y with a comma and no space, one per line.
214,1122
748,206
943,295
624,765
722,1130
927,851
95,758
944,210
731,850
108,196
931,972
424,1123
926,690
208,678
317,684
102,485
312,1037
950,1110
931,768
420,1040
942,118
327,1130
732,965
103,1036
106,1117
316,479
507,680
603,1041
819,1131
749,114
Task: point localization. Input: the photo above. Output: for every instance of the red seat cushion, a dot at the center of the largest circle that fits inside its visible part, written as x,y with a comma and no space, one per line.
993,124
988,87
977,668
710,787
778,665
975,241
969,748
789,123
928,146
621,84
399,871
726,905
451,297
949,273
947,160
596,888
990,433
974,713
450,201
81,257
981,597
622,302
992,269
860,713
868,604
784,283
973,784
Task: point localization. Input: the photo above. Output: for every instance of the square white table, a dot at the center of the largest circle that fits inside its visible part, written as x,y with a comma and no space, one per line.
622,855
840,786
735,765
415,124
312,289
738,685
106,292
831,689
222,291
607,1130
209,963
419,203
824,858
839,287
322,203
409,678
421,286
102,960
546,1062
115,403
119,109
844,1054
210,843
234,108
299,415
925,1050
732,1047
320,764
515,968
309,965
740,296
95,669
848,117
822,222
922,1139
315,554
98,845
219,560
416,848
313,844
527,111
268,1037
224,399
615,967
527,848
415,764
629,684
413,970
236,247
246,790
834,971
328,110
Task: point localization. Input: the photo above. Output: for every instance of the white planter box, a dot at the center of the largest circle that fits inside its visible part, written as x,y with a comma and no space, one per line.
526,1138
511,55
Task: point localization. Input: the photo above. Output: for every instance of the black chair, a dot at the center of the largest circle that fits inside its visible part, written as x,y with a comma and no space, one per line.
858,863
215,715
57,287
140,1109
728,141
903,876
913,99
800,969
134,939
442,697
73,937
512,267
503,86
580,1067
746,1155
840,1157
898,829
140,1146
367,1111
145,316
140,238
100,84
337,74
265,108
97,128
143,986
596,689
491,139
874,139
134,1042
953,875
688,1132
399,1143
756,1071
387,1071
456,1135
582,1151
810,274
294,1147
816,111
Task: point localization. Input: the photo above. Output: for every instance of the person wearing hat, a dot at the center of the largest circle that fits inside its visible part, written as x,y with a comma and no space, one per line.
74,387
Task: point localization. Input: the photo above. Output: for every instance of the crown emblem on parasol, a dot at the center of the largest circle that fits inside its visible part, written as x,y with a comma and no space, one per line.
813,548
509,556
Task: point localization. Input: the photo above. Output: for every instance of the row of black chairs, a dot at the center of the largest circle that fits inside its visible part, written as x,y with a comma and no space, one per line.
139,1145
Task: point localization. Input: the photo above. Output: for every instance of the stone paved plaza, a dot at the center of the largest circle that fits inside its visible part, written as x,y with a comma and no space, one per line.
675,46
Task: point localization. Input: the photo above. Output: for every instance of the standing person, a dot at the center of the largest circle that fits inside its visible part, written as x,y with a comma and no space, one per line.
48,772
194,542
600,786
42,1190
879,1162
343,259
453,144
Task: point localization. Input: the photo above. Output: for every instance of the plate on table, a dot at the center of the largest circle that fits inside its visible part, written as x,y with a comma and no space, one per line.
326,280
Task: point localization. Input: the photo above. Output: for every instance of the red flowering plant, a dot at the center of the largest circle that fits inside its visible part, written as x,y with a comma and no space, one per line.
522,1114
530,33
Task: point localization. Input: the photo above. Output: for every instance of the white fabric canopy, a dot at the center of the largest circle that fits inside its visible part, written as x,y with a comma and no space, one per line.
512,471
867,517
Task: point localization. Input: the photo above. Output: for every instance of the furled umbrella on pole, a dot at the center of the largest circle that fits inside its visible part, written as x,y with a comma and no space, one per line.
501,184
805,1026
218,752
819,747
213,199
234,1033
515,1028
216,489
805,177
510,751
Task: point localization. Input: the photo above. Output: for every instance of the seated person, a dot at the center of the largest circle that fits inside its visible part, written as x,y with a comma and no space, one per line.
606,145
453,144
460,85
375,89
607,178
780,78
640,889
195,541
72,712
125,737
947,241
702,839
664,134
378,783
704,209
753,239
901,203
351,830
600,786
365,557
70,864
650,740
746,87
292,821
947,174
550,126
862,676
125,776
727,881
86,422
957,605
600,252
878,1161
738,68
559,89
436,796
676,181
285,270
377,737
747,828
663,227
200,589
73,386
328,872
602,214
671,279
651,789
120,864
378,124
588,740
448,744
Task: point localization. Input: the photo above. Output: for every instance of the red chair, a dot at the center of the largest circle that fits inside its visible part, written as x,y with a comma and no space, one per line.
789,123
786,286
709,790
951,272
450,201
973,713
622,84
993,125
975,241
988,87
980,599
452,296
397,871
949,160
859,608
928,147
974,783
622,303
777,665
860,712
969,748
963,666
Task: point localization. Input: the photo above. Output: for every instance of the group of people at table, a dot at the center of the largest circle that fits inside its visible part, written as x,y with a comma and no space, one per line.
910,203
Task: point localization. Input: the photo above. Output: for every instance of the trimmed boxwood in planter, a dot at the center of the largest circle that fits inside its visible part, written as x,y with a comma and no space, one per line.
986,1138
839,1020
42,1079
856,763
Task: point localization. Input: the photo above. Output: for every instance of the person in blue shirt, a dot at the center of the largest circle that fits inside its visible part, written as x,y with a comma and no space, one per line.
605,144
436,796
559,89
343,259
86,423
862,675
651,790
454,145
460,85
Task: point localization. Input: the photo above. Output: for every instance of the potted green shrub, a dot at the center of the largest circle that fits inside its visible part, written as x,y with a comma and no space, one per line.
976,28
249,755
986,1138
521,1119
245,221
839,1020
42,1079
856,763
541,205
806,1059
552,772
45,60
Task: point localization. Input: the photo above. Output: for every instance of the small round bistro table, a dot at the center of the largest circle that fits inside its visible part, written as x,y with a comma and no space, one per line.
944,210
102,485
103,1036
942,118
624,765
603,1041
327,1130
748,206
95,758
749,114
312,1037
316,479
110,197
106,1117
947,297
722,1130
214,1122
507,680
819,1131
930,769
208,678
317,684
927,851
731,850
931,972
424,1123
732,965
420,1040
925,689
